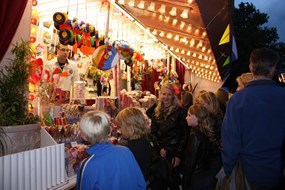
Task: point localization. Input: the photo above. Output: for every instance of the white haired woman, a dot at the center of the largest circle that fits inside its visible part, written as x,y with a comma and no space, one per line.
109,167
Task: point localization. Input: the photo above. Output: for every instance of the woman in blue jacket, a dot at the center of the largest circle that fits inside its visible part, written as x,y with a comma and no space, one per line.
108,167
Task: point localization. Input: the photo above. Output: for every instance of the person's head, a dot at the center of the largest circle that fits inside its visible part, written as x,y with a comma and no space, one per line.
167,99
167,95
186,99
62,52
132,123
223,96
95,126
243,80
263,62
198,116
209,101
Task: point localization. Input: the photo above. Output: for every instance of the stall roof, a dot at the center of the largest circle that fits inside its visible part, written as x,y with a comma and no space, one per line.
198,32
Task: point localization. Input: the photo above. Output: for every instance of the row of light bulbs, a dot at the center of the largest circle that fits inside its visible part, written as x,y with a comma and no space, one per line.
161,10
207,74
182,39
207,70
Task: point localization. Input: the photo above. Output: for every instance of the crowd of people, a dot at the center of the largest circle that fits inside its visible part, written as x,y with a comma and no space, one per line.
190,140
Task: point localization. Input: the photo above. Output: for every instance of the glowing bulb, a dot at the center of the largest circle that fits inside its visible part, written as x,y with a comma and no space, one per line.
173,11
166,19
131,3
161,10
182,24
174,22
184,14
192,42
189,28
169,35
121,2
141,5
176,38
151,7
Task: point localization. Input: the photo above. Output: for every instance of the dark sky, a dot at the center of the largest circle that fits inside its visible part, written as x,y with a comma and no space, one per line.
275,11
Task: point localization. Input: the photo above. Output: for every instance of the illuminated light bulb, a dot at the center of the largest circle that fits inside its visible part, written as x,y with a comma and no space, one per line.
197,63
192,42
184,14
160,17
154,32
200,56
176,38
203,49
189,1
189,28
161,10
197,31
173,11
177,50
182,39
200,44
194,55
209,51
151,7
182,24
121,2
141,5
171,48
166,19
188,53
161,34
211,68
204,34
169,35
183,52
131,3
174,22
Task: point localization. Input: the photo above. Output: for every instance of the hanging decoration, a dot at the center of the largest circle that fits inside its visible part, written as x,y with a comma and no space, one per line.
105,56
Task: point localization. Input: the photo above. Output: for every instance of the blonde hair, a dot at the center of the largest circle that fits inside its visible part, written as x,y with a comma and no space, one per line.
174,103
244,79
205,121
133,121
211,99
95,126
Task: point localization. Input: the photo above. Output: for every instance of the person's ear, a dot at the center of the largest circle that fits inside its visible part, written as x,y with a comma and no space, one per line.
250,67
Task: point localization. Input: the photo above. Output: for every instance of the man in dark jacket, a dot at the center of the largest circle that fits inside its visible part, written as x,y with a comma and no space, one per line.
253,129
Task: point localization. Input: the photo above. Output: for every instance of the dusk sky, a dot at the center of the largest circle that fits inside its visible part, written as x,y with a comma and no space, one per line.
275,11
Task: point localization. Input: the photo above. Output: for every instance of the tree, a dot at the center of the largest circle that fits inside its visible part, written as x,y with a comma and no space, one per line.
250,33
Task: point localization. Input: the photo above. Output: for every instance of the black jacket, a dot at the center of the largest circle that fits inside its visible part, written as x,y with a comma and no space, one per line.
202,161
170,133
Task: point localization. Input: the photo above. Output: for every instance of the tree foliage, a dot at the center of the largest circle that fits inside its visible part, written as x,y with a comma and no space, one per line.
250,32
